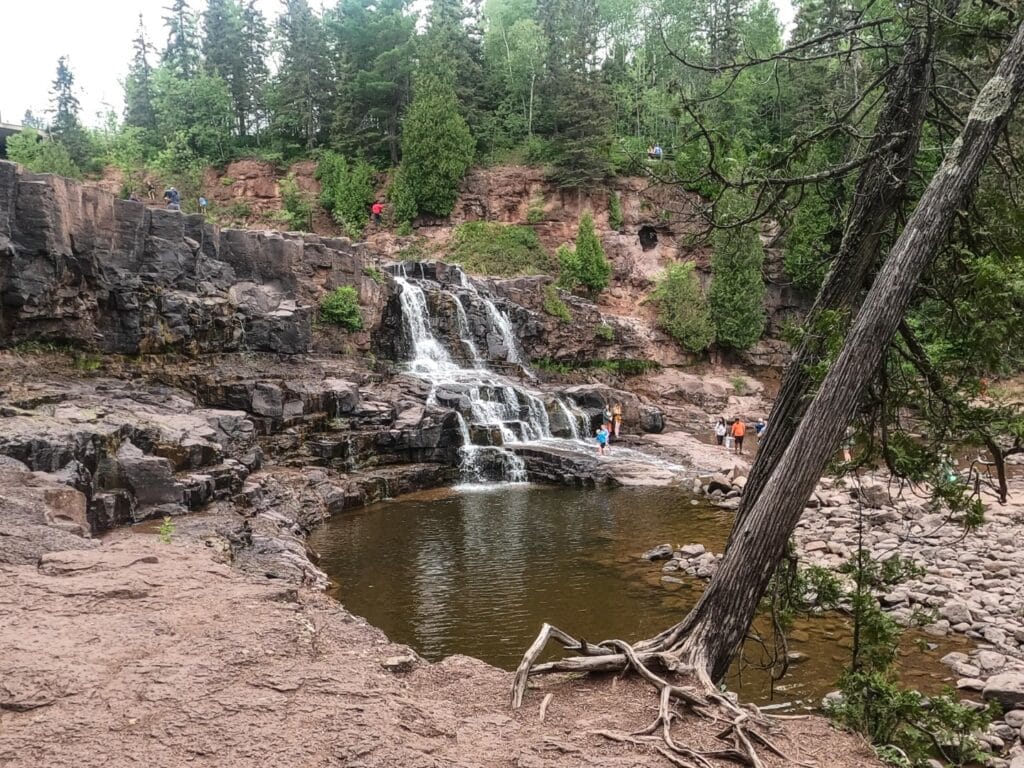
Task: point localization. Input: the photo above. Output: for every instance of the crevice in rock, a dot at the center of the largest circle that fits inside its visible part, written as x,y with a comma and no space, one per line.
648,237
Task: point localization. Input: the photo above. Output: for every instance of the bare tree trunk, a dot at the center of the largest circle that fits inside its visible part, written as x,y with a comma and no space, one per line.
710,636
879,192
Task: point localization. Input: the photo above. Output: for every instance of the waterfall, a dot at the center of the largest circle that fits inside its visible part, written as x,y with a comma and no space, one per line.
428,354
465,335
504,328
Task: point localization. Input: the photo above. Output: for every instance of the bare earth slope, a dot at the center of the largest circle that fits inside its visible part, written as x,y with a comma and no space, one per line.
144,653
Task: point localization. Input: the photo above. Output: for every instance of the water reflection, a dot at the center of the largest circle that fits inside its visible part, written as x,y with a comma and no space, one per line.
477,572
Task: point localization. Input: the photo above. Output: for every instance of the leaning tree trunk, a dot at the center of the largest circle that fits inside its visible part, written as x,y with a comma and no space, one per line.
713,632
879,192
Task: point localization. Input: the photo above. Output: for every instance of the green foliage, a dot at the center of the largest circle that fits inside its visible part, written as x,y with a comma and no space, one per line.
178,164
341,307
197,110
604,332
535,209
585,265
615,220
437,147
297,210
404,229
682,308
41,155
490,248
403,201
805,257
346,191
736,295
554,306
374,274
625,367
125,149
166,530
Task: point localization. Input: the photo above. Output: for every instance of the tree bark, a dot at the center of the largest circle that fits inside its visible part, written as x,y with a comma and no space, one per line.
711,634
879,192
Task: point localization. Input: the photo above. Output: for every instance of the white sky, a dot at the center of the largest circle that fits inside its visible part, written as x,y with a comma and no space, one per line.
97,38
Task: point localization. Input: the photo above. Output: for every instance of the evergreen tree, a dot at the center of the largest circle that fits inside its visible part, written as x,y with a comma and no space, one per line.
451,50
250,100
682,308
585,265
29,120
223,53
181,55
736,295
437,146
138,86
65,127
302,93
373,44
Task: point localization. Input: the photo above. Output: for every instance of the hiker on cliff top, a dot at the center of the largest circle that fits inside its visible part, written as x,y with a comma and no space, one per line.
173,198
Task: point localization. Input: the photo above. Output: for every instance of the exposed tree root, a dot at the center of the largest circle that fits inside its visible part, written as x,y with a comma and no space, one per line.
745,726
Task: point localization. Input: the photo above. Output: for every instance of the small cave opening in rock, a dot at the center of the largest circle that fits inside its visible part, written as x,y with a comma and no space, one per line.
648,237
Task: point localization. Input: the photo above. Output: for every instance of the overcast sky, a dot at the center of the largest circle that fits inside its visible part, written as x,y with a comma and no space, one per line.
96,36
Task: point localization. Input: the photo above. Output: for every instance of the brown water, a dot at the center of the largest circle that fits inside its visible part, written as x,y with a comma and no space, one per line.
477,571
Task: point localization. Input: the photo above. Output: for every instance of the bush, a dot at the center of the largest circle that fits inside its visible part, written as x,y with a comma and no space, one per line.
615,220
41,155
554,305
585,265
682,309
341,307
374,274
499,249
403,201
535,209
298,211
346,191
604,332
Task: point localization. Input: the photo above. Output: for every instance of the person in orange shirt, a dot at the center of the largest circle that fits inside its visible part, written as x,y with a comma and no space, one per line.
739,429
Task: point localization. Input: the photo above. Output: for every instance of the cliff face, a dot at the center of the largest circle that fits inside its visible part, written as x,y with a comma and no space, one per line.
83,267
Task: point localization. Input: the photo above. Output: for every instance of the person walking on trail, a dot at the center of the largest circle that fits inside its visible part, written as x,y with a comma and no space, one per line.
377,209
203,203
602,440
739,429
616,419
720,431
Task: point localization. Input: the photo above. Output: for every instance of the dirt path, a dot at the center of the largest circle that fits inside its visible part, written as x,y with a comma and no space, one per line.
144,653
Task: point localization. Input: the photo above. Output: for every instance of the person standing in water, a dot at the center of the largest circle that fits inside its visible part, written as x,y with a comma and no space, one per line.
602,440
616,419
720,431
739,429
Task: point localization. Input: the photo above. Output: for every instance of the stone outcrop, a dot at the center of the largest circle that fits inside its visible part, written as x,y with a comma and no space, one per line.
81,267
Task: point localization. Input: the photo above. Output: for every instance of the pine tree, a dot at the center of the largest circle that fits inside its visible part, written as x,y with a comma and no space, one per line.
138,86
437,146
451,51
302,94
181,55
227,54
65,126
594,267
250,102
736,295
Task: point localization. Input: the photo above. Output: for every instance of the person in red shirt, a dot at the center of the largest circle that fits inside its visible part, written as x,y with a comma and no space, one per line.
377,209
739,429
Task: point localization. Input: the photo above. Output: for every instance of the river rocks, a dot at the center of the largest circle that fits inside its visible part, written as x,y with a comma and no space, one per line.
1007,688
660,552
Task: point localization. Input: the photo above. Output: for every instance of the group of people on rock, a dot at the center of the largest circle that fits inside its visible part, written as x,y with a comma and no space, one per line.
611,424
731,433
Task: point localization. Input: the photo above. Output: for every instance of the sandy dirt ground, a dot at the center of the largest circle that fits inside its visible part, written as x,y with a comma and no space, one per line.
140,652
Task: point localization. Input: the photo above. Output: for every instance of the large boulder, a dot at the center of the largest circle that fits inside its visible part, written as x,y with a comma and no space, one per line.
1007,688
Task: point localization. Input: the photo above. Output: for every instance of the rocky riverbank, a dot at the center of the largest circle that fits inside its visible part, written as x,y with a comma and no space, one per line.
968,584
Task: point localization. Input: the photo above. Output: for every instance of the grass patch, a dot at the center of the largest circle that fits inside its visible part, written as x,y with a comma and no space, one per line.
615,367
489,248
604,332
554,305
374,274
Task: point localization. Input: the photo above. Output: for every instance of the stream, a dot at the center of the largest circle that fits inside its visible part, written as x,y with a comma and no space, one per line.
477,569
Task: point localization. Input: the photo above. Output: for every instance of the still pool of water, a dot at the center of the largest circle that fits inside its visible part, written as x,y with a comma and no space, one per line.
476,570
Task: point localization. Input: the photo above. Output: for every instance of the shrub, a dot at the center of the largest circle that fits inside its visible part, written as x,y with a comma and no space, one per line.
682,309
499,249
404,229
585,265
605,332
298,211
554,305
535,210
374,274
615,220
403,202
341,307
41,155
346,191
